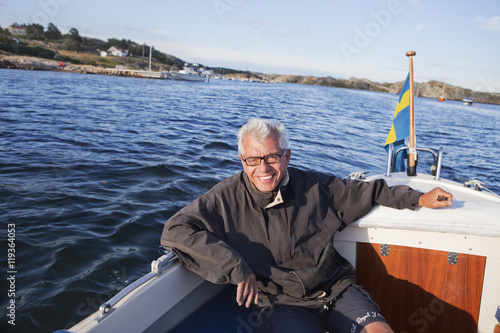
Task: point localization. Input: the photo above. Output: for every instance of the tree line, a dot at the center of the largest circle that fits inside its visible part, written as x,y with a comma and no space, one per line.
72,41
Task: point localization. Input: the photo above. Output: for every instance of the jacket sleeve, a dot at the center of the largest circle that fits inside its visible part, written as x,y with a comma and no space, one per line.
355,199
196,236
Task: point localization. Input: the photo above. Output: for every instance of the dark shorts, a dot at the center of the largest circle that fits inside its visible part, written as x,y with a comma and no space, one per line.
350,312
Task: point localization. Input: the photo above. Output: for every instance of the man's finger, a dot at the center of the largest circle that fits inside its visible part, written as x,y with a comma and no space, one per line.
250,298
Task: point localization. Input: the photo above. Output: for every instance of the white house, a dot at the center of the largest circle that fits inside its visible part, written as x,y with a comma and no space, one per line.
117,51
17,30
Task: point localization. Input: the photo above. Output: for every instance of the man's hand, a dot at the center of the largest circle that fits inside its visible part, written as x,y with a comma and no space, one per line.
435,199
247,291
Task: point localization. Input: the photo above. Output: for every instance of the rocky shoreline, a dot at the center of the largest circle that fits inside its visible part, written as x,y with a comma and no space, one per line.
40,64
431,89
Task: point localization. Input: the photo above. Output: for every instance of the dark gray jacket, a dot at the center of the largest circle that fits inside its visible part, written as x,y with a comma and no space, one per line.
285,238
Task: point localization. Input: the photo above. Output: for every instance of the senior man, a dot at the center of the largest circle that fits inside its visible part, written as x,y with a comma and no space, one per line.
270,228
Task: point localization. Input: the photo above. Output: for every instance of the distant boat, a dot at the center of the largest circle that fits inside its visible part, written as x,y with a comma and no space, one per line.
441,99
190,73
468,101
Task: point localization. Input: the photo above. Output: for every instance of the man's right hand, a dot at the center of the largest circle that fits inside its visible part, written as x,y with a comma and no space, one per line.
247,291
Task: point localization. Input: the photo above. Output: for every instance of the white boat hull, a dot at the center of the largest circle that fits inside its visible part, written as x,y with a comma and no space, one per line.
467,101
188,77
156,306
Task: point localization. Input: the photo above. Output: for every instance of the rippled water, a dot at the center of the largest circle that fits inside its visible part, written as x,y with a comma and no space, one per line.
91,167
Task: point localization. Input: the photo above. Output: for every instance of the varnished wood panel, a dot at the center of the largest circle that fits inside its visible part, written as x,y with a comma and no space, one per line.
419,291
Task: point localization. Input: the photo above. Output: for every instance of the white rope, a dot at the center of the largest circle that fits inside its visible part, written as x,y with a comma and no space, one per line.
357,175
475,183
478,185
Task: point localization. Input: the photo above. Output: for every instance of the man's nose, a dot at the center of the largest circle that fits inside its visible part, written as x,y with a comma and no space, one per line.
264,166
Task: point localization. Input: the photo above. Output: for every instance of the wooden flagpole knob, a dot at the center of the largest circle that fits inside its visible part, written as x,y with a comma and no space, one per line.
411,53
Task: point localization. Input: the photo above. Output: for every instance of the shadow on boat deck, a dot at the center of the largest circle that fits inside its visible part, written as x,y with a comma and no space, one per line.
222,315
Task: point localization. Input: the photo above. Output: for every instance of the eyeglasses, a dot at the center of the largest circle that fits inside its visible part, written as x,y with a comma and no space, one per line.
269,159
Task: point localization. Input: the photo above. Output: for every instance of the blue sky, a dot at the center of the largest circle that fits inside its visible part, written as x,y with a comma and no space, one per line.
456,41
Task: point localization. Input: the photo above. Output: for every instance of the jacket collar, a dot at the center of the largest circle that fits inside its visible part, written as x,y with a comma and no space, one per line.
267,199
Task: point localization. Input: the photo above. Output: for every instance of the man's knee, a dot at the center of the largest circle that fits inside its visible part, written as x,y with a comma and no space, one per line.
377,327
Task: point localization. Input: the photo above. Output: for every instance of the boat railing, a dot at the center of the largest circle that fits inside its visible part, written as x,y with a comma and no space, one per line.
157,268
436,165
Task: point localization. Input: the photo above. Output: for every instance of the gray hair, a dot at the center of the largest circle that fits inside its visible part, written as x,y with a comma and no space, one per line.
261,129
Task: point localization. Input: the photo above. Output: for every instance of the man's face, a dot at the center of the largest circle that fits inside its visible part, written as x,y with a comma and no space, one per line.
265,177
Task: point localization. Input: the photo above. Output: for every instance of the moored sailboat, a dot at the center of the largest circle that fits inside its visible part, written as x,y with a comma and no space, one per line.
441,99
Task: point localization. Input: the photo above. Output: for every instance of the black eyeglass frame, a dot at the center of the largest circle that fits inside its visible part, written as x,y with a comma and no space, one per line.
264,158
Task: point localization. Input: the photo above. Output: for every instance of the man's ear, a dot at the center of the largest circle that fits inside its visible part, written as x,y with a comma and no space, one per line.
242,162
288,153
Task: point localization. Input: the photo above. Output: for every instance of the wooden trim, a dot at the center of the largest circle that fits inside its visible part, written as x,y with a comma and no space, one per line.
418,290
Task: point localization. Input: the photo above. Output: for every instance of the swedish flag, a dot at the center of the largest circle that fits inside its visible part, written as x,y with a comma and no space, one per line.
401,125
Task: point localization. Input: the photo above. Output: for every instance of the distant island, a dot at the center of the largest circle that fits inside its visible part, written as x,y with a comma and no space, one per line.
33,47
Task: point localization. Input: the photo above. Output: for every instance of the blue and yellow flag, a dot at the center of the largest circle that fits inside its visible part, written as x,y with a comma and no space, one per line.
401,125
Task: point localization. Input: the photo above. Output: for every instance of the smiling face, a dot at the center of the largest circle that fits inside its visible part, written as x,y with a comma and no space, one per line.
264,177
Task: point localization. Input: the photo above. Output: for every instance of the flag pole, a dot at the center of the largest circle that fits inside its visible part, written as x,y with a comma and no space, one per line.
412,156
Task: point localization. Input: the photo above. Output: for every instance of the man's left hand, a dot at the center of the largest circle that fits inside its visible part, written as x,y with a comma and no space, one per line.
247,291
